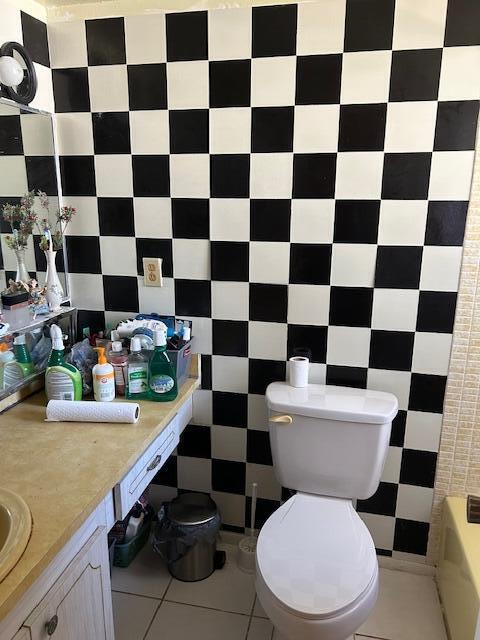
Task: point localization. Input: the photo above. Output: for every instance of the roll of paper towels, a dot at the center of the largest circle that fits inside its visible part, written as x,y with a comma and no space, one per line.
298,371
81,411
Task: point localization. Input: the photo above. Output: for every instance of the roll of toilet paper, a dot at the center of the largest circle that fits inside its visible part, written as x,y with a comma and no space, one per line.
298,371
79,411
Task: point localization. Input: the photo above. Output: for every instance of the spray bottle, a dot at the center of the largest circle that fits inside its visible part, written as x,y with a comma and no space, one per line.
21,367
63,381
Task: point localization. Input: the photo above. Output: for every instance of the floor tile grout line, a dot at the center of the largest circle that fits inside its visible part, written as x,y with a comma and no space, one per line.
151,621
251,616
201,606
139,595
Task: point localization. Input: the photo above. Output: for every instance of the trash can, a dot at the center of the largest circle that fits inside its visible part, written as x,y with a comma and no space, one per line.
186,537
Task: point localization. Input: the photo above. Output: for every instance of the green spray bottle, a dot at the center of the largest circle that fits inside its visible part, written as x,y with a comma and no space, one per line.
63,381
20,368
162,380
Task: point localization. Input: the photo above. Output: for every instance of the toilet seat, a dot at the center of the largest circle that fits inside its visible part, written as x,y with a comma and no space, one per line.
316,557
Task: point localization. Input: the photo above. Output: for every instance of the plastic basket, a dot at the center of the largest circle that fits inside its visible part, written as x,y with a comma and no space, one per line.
181,361
123,554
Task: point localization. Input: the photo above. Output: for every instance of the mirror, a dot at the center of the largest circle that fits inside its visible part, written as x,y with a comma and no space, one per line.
29,203
28,164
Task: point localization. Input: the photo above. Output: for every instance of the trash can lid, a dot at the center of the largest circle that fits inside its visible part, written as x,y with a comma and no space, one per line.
192,509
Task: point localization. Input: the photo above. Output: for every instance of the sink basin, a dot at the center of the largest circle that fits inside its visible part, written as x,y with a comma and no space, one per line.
15,529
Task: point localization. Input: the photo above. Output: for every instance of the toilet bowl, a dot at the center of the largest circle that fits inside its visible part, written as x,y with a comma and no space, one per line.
316,566
317,571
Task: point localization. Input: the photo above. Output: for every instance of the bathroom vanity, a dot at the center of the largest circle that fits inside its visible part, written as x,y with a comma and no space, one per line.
77,479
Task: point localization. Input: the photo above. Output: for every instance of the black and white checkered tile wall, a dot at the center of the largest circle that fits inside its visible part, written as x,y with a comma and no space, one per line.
304,172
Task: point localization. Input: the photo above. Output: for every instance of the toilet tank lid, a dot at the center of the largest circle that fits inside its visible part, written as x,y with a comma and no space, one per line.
332,402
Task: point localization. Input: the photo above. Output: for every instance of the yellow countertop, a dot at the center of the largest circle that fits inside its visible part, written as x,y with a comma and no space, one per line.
468,535
63,471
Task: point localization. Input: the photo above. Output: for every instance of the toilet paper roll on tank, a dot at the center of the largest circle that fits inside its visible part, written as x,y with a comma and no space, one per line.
298,371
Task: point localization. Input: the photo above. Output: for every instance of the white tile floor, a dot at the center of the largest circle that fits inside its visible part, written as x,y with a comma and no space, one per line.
150,605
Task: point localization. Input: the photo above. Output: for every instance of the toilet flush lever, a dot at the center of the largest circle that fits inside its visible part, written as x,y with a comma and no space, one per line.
285,419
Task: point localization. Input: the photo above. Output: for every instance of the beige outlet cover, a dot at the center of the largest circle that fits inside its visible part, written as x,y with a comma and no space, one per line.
152,272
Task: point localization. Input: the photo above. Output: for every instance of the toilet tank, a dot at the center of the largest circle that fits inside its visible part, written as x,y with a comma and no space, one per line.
336,442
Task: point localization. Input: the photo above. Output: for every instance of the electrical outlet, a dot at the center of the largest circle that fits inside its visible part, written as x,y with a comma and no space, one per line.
152,272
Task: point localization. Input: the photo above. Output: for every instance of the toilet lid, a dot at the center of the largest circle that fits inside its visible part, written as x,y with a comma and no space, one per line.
316,555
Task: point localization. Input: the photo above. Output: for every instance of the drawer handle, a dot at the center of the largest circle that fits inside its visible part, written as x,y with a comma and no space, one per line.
286,419
51,625
154,463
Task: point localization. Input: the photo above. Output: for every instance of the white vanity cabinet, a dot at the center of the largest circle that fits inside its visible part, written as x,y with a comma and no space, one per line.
71,599
78,606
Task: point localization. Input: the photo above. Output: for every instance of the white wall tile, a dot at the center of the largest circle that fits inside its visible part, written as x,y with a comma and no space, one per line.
230,34
230,130
230,219
145,38
230,374
153,217
451,175
348,346
365,77
410,126
230,300
308,304
316,128
149,132
321,27
267,340
431,353
190,176
271,175
402,222
459,78
67,44
269,262
353,265
108,87
419,25
75,134
187,85
191,259
359,175
273,81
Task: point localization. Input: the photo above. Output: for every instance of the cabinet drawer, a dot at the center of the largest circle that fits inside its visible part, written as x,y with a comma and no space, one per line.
184,415
143,471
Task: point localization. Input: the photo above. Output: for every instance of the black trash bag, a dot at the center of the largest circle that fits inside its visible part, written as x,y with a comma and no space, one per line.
173,539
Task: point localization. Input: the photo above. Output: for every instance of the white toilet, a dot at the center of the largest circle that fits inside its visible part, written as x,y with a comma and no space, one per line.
316,567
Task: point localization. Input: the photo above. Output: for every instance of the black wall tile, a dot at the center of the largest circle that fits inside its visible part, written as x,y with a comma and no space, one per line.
230,409
369,25
155,248
105,41
274,31
187,36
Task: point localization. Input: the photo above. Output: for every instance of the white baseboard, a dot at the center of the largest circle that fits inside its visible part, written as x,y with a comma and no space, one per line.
398,564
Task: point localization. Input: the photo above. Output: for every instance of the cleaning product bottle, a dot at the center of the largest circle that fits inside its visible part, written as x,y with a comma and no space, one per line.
118,358
162,381
6,355
103,378
19,368
137,372
63,381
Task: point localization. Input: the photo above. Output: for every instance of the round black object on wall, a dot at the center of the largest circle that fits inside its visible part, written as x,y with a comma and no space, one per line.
25,92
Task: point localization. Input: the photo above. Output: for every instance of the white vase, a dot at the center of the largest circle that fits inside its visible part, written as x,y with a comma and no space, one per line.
22,274
54,290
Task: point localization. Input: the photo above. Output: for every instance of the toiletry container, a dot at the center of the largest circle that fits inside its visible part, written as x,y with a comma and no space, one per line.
63,381
118,358
162,382
6,355
137,372
21,367
103,378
